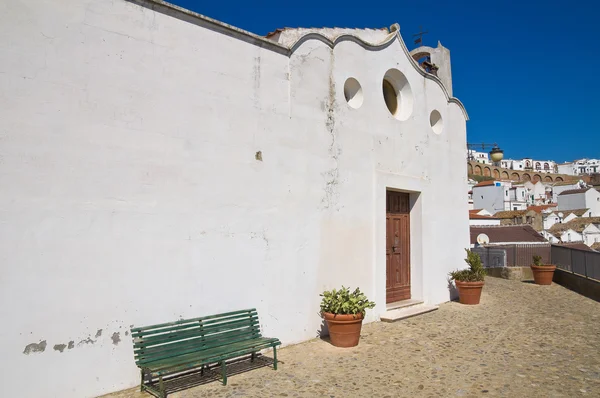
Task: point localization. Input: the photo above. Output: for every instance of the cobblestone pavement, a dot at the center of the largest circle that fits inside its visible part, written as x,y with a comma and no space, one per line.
523,340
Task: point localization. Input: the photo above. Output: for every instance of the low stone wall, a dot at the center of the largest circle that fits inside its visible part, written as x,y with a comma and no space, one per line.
580,284
512,273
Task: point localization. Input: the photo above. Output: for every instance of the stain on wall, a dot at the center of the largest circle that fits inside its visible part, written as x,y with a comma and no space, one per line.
35,347
116,338
60,347
99,333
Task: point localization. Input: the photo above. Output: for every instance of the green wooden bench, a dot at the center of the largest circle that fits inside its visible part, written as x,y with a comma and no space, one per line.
173,347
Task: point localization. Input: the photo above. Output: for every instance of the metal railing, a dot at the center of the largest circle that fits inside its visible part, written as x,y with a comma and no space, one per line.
515,255
581,262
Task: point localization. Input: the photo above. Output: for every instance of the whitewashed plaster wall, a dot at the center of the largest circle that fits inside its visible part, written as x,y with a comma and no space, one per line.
571,202
132,195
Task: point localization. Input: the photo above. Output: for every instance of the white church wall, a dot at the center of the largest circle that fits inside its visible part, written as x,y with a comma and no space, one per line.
132,193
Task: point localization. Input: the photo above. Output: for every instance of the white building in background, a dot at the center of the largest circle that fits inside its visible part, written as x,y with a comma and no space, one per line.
585,198
591,234
549,237
543,166
479,157
157,165
580,167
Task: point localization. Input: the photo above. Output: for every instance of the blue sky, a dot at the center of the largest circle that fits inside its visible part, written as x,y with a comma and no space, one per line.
527,71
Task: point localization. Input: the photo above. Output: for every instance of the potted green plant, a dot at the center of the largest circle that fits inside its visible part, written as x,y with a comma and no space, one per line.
542,273
469,282
344,312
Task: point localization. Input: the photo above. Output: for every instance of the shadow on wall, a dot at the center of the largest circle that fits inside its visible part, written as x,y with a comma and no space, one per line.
323,331
452,290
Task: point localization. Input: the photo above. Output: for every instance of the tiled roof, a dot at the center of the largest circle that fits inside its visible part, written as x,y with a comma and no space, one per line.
575,245
506,233
596,246
510,214
577,212
485,183
540,208
474,211
562,183
576,225
574,191
474,216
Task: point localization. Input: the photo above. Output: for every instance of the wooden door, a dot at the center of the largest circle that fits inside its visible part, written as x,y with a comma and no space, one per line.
397,247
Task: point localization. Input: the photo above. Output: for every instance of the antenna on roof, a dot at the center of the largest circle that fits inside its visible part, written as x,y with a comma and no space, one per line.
419,40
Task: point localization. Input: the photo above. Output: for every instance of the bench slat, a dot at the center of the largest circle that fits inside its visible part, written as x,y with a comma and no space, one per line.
149,331
137,329
200,350
199,331
213,355
197,342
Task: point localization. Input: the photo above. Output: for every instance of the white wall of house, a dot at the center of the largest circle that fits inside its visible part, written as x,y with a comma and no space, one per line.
536,192
567,168
489,197
589,199
550,220
557,189
549,237
592,201
132,193
570,217
571,202
591,234
571,236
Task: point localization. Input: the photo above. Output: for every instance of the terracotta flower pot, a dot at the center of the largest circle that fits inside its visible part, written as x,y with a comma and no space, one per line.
469,292
542,275
344,330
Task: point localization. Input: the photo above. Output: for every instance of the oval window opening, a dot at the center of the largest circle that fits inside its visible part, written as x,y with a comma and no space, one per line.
353,93
436,122
390,96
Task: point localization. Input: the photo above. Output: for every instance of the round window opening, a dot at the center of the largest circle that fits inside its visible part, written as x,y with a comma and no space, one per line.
397,94
353,93
436,122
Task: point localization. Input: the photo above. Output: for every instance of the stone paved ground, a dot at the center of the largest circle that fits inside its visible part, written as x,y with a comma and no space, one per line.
523,340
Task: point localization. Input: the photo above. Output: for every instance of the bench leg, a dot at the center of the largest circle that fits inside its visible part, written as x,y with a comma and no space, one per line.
274,357
224,373
202,371
161,386
252,357
142,380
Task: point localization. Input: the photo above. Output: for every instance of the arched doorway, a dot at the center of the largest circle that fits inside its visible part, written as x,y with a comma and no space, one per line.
477,170
537,178
526,177
515,177
487,172
496,173
559,179
505,175
548,179
469,168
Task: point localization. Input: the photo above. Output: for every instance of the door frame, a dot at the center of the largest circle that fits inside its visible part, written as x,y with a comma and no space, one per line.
415,188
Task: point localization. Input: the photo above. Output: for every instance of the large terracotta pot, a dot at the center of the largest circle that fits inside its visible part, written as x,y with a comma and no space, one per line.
344,330
542,275
469,292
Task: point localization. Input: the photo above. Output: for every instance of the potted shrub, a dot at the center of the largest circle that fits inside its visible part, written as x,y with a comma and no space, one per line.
469,282
542,273
344,313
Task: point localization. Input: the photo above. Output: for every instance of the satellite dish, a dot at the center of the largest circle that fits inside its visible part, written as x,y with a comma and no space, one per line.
483,239
560,214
